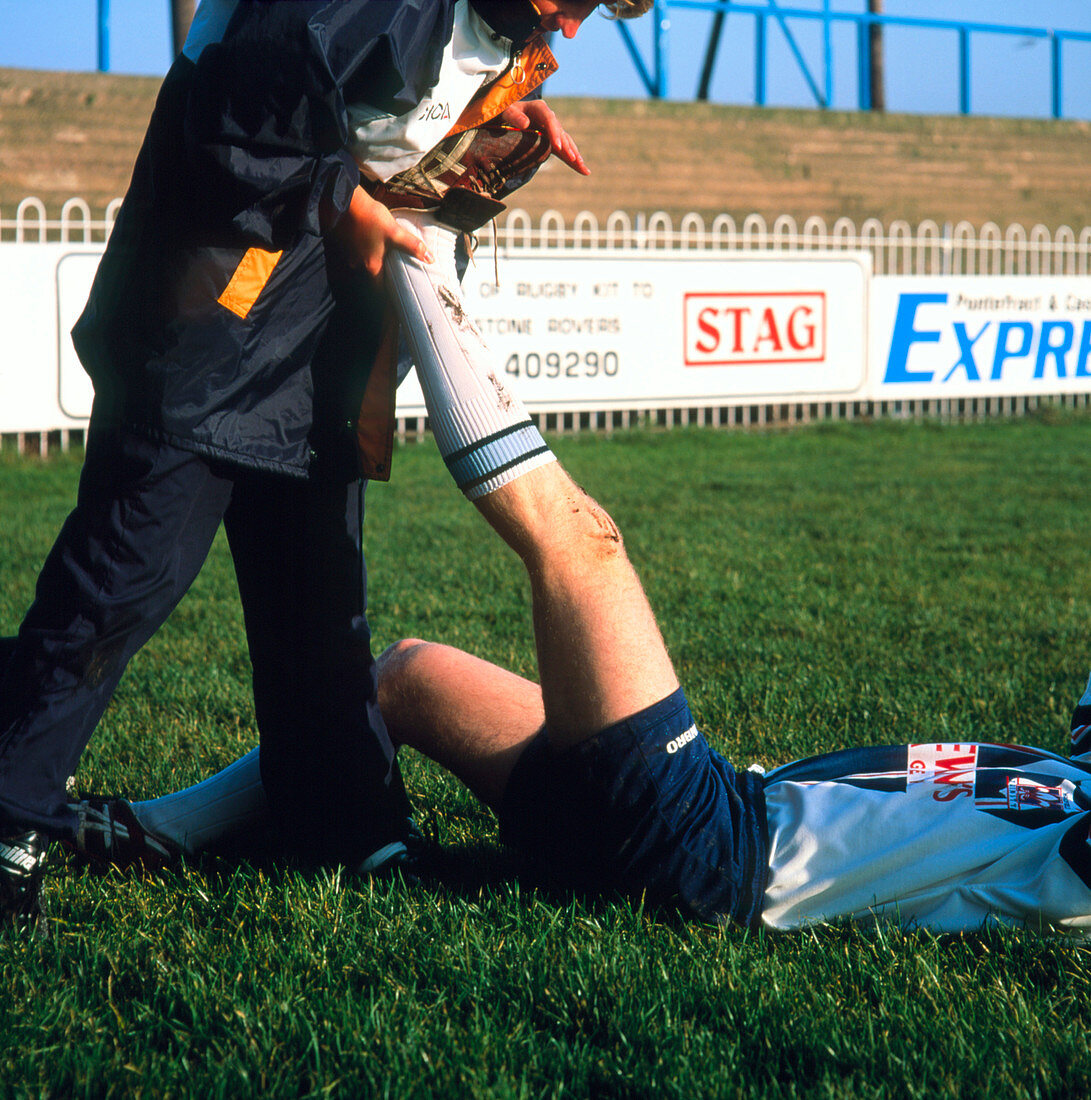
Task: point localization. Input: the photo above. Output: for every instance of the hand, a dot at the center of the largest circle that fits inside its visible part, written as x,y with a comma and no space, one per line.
367,231
538,113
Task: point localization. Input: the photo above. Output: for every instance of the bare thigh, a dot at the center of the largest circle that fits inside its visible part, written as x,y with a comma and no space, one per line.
470,716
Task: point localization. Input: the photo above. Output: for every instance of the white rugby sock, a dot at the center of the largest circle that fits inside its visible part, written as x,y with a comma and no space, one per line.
225,808
482,429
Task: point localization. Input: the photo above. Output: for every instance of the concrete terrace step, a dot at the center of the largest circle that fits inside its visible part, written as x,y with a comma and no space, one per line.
77,134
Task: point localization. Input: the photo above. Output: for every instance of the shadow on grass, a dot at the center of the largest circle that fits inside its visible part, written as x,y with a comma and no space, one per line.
467,871
463,871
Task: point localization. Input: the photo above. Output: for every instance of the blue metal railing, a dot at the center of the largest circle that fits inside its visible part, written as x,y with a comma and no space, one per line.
103,36
656,79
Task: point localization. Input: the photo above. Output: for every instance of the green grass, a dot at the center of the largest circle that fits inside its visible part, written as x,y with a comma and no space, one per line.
825,587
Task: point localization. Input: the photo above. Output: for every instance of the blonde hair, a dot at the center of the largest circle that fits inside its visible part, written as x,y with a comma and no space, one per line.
628,9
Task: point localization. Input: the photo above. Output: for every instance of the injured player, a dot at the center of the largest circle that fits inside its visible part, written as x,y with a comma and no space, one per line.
599,775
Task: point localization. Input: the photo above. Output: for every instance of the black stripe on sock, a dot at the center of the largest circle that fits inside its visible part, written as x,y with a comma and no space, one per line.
507,466
457,456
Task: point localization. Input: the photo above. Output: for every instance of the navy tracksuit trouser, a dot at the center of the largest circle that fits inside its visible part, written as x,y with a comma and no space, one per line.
145,518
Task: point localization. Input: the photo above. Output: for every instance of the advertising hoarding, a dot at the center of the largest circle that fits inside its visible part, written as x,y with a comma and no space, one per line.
582,330
969,336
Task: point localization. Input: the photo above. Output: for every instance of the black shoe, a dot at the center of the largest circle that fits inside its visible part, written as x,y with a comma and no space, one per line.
22,863
109,835
404,855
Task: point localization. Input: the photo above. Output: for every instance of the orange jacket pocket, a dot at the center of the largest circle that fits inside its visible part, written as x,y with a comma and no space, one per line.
249,281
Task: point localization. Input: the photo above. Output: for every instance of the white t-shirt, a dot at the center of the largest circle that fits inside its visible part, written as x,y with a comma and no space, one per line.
384,144
947,837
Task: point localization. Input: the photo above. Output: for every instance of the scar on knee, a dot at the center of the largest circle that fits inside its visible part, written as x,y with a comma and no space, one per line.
606,528
606,524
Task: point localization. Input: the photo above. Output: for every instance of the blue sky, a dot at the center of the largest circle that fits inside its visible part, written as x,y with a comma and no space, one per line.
1010,74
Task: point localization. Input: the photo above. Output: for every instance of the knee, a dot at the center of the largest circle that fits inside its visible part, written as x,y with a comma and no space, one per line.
402,669
393,660
396,666
599,530
582,535
544,516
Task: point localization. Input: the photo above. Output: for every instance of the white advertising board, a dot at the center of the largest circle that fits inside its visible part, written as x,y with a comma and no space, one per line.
42,290
75,273
572,330
588,330
968,336
585,330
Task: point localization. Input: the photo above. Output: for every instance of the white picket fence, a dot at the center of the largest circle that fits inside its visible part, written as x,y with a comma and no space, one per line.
954,248
897,249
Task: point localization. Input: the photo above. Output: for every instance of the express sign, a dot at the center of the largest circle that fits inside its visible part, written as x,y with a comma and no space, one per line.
967,336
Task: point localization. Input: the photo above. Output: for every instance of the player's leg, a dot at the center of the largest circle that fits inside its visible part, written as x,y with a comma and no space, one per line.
226,811
621,791
471,716
482,429
601,656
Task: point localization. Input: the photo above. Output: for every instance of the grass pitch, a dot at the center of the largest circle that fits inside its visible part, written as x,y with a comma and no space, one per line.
830,586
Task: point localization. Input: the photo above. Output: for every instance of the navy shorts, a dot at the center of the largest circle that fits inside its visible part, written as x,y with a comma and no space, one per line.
645,808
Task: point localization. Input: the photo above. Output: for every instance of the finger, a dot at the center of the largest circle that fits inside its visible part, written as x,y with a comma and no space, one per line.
404,240
538,113
561,142
568,152
515,117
